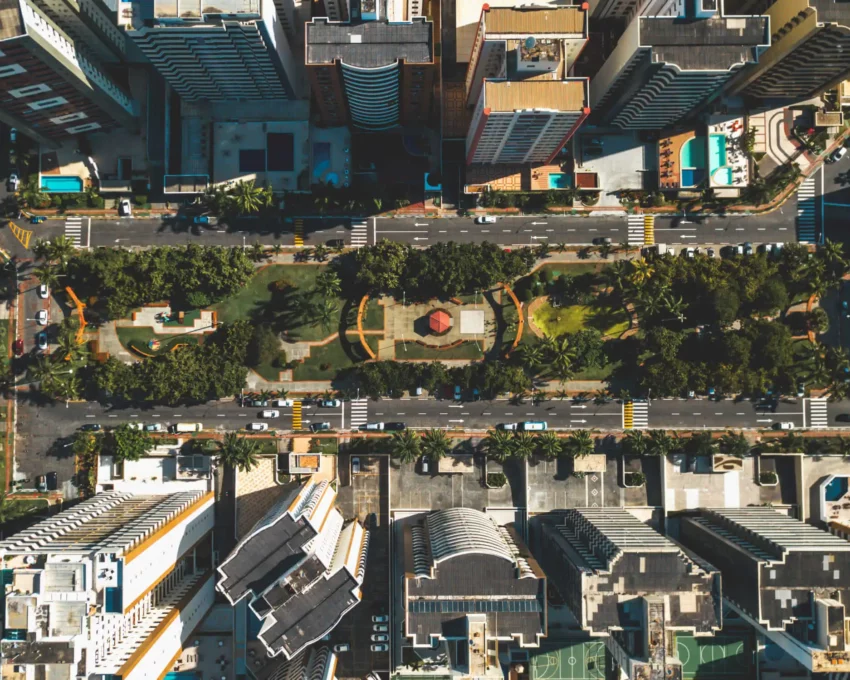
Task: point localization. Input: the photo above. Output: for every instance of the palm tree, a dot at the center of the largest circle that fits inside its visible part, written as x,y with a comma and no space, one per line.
41,249
542,250
320,252
327,314
641,272
524,445
793,443
257,252
61,249
247,198
734,444
840,446
549,444
329,284
47,275
238,452
277,248
579,444
10,508
498,445
560,357
531,356
322,203
67,387
405,446
701,444
660,443
264,395
635,443
436,444
601,397
46,370
675,306
832,253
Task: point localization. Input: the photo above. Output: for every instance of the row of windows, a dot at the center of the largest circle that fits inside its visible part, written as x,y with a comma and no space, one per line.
472,606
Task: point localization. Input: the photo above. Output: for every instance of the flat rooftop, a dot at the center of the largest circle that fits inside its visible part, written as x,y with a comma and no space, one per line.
562,95
370,44
553,21
195,9
831,12
11,22
727,40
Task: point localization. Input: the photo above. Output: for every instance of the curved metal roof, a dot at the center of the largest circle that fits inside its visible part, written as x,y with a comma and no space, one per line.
462,531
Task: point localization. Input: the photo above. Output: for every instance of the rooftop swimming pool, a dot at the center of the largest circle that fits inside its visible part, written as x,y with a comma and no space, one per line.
836,489
693,153
560,180
716,152
59,184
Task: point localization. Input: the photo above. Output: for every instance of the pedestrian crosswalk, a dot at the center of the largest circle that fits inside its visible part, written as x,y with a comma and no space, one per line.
74,230
298,237
296,415
359,234
648,230
818,417
359,413
635,415
636,230
806,212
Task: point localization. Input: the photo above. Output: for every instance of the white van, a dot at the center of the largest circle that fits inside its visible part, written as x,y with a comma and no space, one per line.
187,427
533,425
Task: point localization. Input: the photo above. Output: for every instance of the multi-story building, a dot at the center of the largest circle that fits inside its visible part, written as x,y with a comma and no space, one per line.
93,25
809,50
664,69
233,50
625,582
375,74
301,567
467,579
110,588
786,578
315,663
50,87
628,9
525,107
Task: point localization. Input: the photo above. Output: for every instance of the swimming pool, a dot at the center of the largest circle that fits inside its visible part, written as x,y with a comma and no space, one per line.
560,180
723,176
693,153
321,159
182,675
836,489
716,152
692,176
59,184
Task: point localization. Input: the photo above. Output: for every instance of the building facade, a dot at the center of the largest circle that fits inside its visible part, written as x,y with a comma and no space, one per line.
50,88
664,69
109,588
525,105
786,578
374,75
301,568
237,50
629,584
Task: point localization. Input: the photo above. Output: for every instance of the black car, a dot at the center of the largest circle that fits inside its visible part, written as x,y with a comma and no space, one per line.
90,427
843,417
601,240
394,427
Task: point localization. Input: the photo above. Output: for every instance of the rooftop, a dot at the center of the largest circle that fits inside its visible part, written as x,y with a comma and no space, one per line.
561,95
11,22
371,44
831,12
552,21
195,9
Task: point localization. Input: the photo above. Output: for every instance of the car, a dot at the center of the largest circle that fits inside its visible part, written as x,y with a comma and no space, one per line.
424,466
689,253
580,399
776,249
748,248
381,628
124,208
43,292
837,155
259,403
41,317
507,426
377,427
37,219
257,427
801,390
380,638
18,346
843,417
153,427
458,394
48,482
320,427
270,413
380,618
784,425
342,647
380,648
13,135
283,402
394,427
90,427
485,219
14,182
41,341
330,403
201,219
731,251
710,252
355,465
533,425
602,241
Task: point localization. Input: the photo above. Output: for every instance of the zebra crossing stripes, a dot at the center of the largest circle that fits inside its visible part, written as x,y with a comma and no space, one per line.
298,237
74,230
359,413
806,212
637,232
818,417
359,234
649,230
640,415
296,415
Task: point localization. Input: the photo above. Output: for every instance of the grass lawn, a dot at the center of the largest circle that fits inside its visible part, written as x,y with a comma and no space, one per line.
555,321
266,446
468,350
138,336
325,445
188,318
373,319
333,357
4,340
574,268
601,373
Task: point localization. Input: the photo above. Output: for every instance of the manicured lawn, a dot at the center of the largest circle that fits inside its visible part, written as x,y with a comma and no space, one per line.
373,319
138,337
574,268
468,350
188,318
555,321
334,357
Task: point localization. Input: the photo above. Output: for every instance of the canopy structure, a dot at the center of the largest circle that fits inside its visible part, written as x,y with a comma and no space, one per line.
439,321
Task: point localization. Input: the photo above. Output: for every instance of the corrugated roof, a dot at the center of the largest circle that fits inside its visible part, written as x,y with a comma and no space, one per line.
563,95
536,21
371,44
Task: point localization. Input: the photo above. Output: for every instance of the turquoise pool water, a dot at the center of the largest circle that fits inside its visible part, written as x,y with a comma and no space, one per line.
560,180
181,675
723,175
57,184
693,153
716,152
836,489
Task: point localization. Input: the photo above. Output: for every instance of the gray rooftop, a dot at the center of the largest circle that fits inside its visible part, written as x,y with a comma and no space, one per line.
832,12
717,43
370,44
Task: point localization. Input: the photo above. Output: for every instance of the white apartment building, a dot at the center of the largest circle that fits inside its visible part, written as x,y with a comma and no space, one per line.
110,588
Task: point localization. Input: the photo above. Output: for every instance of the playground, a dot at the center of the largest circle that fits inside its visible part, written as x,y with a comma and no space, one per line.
572,661
722,657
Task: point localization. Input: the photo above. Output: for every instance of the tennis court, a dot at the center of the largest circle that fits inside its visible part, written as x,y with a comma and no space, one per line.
572,661
722,657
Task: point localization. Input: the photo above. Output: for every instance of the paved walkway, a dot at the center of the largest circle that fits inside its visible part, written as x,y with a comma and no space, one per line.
107,340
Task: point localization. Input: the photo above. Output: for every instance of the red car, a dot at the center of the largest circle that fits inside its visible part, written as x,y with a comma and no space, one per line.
18,346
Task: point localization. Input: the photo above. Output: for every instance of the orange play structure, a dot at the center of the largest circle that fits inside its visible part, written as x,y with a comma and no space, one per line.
80,306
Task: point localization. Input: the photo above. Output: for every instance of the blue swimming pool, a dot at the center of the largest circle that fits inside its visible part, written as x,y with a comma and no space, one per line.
723,175
560,180
836,489
693,153
59,184
182,675
692,176
716,152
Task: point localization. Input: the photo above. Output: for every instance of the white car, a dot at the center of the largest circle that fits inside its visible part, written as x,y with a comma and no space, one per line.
13,182
485,219
283,402
508,426
153,427
270,414
343,647
258,427
374,426
380,638
787,425
690,253
43,292
837,155
330,403
41,317
380,648
124,208
381,628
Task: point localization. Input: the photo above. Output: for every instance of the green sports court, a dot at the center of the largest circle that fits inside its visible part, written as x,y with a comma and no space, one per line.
722,657
571,661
